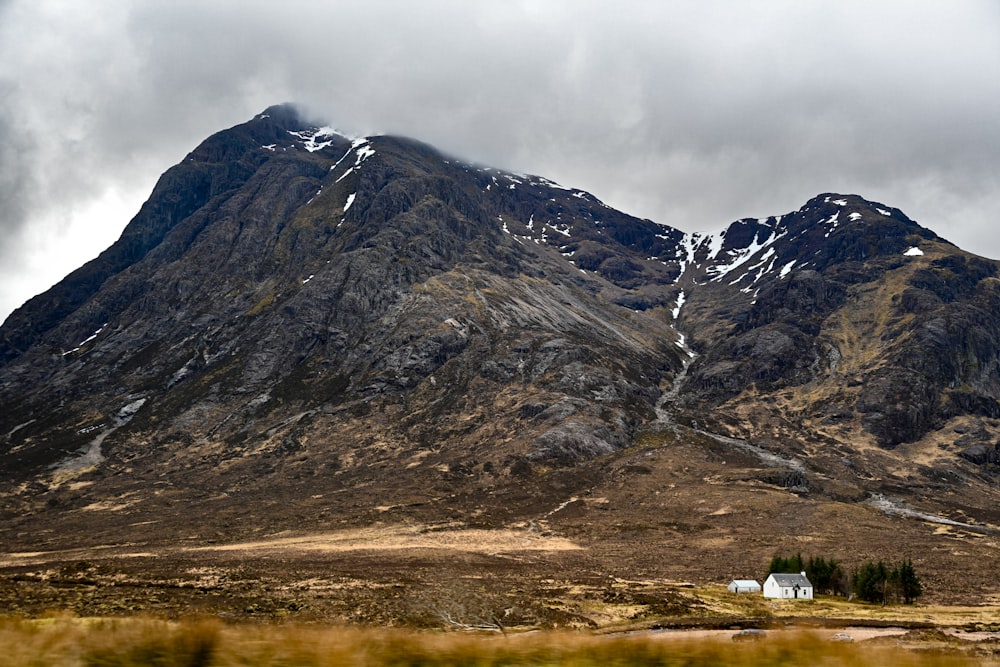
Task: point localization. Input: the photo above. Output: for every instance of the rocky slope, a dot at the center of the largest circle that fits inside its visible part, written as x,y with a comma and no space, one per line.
302,331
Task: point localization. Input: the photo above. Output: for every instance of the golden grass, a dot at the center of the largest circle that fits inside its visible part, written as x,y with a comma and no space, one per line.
831,608
63,642
400,537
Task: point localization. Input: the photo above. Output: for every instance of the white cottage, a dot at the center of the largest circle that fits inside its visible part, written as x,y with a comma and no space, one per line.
788,586
744,586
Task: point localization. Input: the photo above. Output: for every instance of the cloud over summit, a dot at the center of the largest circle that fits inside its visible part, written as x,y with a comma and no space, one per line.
692,114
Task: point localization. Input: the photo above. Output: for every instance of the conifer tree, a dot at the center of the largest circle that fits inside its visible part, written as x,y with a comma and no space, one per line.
909,583
825,575
790,565
875,582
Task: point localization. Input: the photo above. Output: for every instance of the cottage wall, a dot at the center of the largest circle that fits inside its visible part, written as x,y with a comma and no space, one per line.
788,587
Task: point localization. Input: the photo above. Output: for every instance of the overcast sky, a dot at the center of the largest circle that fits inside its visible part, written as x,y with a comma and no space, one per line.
691,113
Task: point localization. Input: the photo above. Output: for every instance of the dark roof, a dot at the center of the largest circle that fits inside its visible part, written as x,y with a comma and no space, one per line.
784,580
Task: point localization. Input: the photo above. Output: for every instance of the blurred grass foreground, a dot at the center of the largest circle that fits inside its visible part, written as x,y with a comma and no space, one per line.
65,641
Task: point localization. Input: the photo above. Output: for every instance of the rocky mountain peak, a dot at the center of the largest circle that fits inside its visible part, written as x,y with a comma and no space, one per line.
296,314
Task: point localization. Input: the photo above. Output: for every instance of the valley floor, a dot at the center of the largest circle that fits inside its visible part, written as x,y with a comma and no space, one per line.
427,577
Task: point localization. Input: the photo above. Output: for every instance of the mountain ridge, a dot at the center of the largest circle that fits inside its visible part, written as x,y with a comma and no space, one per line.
296,316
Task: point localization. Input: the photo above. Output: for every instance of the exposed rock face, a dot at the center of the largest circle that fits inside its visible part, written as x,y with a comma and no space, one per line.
295,313
283,270
848,276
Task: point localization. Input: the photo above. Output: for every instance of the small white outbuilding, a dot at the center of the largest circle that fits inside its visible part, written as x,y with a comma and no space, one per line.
744,586
788,586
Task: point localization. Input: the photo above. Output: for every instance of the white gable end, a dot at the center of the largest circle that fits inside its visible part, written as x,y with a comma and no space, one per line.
788,587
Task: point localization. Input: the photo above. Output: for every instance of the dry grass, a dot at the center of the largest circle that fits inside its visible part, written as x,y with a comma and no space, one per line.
399,537
64,641
838,609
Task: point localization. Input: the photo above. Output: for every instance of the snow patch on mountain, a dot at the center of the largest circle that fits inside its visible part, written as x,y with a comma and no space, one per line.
708,244
715,241
362,148
86,340
316,138
768,255
740,256
342,158
680,304
362,151
538,180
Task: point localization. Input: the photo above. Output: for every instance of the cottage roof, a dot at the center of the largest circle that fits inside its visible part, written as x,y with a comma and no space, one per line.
746,582
791,580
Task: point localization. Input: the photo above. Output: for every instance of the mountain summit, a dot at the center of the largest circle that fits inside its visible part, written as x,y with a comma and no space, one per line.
301,330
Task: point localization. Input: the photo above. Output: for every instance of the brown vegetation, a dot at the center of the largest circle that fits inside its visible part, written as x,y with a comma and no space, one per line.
62,642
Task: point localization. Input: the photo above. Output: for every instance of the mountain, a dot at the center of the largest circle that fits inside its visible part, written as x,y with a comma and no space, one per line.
300,331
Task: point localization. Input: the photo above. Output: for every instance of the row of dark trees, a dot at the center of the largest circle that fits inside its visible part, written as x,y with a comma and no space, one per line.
877,582
871,582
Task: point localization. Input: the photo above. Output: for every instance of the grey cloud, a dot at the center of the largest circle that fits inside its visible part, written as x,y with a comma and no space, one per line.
692,114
